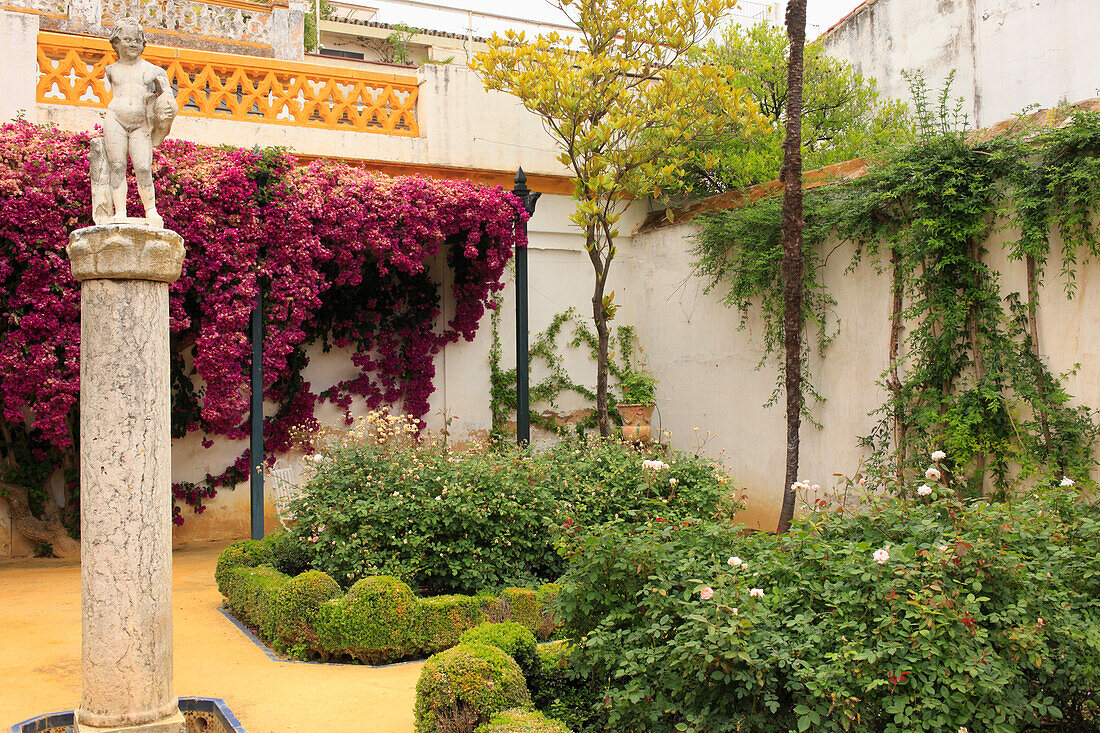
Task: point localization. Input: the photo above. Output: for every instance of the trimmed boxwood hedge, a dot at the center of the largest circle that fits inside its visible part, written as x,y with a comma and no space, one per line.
378,621
514,639
521,720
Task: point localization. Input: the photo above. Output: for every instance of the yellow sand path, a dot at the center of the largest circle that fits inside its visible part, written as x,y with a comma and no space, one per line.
40,657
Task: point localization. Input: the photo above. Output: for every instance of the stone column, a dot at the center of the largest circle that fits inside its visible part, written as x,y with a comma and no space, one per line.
125,477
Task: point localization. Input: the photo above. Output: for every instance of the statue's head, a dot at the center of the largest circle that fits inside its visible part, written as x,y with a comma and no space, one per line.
128,27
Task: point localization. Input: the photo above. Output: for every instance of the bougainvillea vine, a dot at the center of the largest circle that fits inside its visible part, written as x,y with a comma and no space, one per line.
341,253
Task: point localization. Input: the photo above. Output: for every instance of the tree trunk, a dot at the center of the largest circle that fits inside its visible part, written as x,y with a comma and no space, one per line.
894,380
791,176
599,318
978,358
1033,325
36,530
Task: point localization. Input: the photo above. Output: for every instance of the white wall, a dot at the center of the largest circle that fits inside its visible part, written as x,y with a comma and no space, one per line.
1007,54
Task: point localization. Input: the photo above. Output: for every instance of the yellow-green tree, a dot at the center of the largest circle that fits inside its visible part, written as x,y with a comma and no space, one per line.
625,106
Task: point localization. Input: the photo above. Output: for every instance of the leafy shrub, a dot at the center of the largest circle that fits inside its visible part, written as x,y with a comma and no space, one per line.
459,521
374,623
515,640
475,678
297,606
247,553
519,720
288,555
916,615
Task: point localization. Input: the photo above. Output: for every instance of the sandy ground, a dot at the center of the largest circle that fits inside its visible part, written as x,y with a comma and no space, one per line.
40,657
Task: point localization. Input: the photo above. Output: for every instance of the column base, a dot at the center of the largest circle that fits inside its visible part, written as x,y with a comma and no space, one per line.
174,723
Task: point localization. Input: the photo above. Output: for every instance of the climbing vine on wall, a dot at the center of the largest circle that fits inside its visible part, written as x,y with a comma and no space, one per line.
340,253
966,372
544,350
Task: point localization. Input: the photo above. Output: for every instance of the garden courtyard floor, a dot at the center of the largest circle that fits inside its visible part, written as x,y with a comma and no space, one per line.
40,657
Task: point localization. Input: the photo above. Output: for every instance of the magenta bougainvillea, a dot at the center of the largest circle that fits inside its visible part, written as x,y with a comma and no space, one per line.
342,255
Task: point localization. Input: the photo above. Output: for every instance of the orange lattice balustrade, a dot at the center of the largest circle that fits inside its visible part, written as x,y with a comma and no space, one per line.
245,88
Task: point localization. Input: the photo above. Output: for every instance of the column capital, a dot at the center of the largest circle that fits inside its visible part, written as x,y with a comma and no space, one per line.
126,250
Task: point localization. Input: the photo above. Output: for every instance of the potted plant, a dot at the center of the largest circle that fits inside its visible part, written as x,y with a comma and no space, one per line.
639,389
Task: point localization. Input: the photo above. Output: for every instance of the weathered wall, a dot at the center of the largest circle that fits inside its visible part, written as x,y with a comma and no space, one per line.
1007,54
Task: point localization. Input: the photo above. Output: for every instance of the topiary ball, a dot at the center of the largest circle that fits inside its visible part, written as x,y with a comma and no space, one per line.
246,554
469,682
514,639
374,623
297,606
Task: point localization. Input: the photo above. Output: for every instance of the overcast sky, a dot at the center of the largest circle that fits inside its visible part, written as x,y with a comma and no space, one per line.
821,14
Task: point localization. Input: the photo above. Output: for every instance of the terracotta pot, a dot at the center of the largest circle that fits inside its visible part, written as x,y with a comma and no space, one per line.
636,421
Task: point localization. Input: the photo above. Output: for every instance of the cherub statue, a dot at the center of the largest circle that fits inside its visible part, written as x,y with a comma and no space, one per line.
138,119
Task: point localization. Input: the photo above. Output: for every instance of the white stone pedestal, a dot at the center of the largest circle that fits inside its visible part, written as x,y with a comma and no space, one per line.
125,477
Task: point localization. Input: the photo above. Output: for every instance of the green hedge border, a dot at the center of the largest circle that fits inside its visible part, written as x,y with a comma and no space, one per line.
468,680
379,620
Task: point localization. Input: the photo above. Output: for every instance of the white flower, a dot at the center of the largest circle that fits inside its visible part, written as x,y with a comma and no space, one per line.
734,610
317,458
1067,482
945,548
796,486
924,490
815,487
707,593
734,562
654,465
963,729
673,481
932,474
938,455
757,592
881,556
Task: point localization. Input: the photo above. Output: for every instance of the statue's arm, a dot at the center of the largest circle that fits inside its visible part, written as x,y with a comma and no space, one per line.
160,81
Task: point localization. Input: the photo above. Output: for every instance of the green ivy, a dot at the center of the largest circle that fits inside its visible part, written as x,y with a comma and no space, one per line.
544,347
968,376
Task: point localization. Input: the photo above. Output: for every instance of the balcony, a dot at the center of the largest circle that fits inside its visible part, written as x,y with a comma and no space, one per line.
234,87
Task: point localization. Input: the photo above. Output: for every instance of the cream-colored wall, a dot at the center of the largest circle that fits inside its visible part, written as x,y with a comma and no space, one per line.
1006,54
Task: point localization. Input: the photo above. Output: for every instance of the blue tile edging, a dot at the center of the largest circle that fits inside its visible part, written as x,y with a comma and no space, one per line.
276,658
213,705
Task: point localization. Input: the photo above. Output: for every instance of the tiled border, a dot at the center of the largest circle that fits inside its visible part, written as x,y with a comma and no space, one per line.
276,658
200,704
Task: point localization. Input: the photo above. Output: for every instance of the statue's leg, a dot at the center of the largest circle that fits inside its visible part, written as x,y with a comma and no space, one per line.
102,209
141,155
114,144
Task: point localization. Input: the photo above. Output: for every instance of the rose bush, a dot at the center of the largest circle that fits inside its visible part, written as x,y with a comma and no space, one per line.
979,615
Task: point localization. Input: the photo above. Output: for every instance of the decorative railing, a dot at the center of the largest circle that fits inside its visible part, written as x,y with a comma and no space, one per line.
231,87
243,22
56,8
